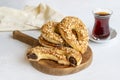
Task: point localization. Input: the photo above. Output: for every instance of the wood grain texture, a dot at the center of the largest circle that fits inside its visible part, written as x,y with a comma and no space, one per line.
53,68
49,66
18,35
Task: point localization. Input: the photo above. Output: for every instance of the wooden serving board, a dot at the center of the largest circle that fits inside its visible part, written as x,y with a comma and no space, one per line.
51,67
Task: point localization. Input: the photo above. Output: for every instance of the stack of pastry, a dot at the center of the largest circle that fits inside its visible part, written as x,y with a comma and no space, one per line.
63,42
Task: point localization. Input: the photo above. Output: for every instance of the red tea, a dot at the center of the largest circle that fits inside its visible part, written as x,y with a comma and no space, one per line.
101,26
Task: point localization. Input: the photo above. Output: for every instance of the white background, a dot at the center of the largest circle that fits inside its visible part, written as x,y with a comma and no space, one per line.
106,57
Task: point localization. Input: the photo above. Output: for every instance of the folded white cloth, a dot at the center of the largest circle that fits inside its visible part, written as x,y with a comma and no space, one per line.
29,18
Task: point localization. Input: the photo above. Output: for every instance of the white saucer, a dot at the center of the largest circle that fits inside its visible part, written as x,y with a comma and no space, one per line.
113,34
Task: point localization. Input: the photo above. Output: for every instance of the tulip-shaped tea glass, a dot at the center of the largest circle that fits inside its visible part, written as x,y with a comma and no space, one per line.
101,26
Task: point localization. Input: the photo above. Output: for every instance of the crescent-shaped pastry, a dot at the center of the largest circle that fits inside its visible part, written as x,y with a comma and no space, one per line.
63,55
46,43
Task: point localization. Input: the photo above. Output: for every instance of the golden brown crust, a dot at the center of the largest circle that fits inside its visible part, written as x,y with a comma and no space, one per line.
74,32
63,55
45,43
49,34
54,37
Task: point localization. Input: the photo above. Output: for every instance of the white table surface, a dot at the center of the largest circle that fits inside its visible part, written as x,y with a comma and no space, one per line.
106,57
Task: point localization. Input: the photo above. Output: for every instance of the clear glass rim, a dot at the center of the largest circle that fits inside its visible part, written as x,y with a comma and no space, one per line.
102,10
